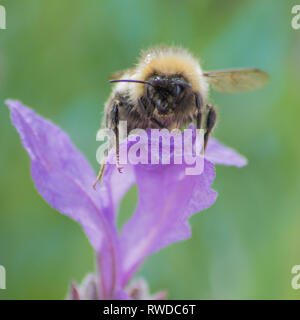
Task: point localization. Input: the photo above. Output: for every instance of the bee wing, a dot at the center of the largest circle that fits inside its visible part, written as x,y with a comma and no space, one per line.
237,80
119,74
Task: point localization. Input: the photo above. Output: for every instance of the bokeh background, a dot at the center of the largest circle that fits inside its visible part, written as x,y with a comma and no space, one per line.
56,57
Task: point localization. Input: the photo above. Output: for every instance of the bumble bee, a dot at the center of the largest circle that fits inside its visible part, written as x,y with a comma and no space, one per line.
168,89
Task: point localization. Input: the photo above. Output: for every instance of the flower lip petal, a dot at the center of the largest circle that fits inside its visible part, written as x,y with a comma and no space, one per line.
218,153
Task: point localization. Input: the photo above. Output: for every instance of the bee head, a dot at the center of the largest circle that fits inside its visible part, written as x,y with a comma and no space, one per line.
166,93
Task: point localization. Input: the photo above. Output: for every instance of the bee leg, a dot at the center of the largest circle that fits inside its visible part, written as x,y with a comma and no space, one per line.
210,122
100,174
144,110
199,105
143,107
153,120
114,120
115,124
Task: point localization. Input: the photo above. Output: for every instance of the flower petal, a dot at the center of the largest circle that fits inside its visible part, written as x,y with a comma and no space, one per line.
217,153
64,178
167,198
113,187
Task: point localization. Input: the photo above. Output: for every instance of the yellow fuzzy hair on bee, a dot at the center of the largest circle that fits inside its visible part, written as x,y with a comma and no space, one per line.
168,61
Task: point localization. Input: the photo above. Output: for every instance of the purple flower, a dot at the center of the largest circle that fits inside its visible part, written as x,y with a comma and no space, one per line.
167,198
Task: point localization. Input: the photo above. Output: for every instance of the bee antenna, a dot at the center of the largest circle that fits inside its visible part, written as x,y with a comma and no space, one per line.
135,81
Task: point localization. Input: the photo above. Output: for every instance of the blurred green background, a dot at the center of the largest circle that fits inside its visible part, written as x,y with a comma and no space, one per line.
56,57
